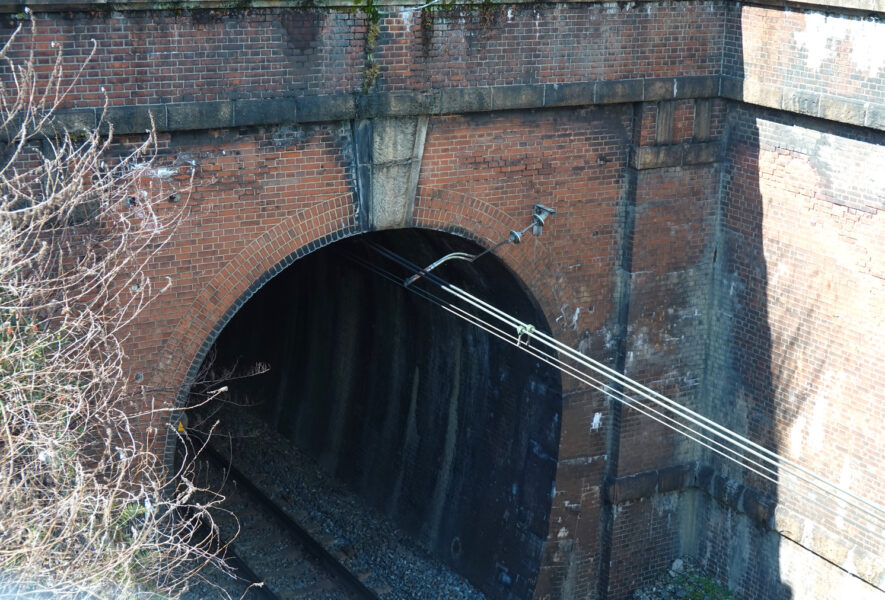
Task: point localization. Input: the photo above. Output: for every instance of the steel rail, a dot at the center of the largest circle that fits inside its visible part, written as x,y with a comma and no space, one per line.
328,560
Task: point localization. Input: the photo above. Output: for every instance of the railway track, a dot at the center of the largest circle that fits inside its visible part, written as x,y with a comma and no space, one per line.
275,550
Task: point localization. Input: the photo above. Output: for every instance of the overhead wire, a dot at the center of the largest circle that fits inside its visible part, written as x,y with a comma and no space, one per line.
595,384
740,443
697,418
568,369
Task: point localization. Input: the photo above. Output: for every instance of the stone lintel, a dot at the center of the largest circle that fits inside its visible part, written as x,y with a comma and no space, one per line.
332,107
263,111
619,91
199,115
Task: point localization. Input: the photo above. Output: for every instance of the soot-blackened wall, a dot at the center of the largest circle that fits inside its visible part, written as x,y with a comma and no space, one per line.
451,431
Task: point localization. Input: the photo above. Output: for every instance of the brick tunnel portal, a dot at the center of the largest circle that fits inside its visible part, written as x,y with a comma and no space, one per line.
449,431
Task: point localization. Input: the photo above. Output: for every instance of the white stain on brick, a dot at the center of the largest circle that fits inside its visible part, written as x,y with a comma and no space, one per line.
824,34
797,437
596,423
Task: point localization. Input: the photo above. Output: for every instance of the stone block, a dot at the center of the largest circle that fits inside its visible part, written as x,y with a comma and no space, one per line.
398,104
393,139
135,119
315,109
804,103
875,116
788,524
842,110
199,115
704,477
869,567
463,100
664,122
658,88
756,507
703,109
73,120
828,545
675,478
731,87
719,490
569,94
705,86
761,94
657,157
701,153
618,92
634,487
269,111
508,97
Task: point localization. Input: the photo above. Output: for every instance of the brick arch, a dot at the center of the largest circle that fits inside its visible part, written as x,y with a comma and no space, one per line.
324,223
478,220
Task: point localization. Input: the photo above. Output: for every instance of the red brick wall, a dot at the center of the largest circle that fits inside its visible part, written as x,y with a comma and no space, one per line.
258,196
732,283
838,55
548,43
796,357
672,250
157,57
263,195
514,160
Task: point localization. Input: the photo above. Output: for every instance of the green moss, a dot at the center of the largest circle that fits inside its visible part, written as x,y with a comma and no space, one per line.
702,587
373,31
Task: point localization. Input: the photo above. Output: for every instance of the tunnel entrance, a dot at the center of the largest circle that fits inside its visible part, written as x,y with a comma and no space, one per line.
450,432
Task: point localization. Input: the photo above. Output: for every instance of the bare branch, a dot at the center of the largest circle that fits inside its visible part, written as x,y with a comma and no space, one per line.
87,510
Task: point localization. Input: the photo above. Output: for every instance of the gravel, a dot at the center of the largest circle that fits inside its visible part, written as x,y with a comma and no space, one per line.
386,559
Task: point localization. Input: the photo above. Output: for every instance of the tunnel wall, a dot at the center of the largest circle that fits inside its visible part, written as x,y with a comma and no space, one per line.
449,431
620,109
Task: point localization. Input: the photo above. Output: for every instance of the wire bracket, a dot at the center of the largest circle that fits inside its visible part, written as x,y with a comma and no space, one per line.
524,330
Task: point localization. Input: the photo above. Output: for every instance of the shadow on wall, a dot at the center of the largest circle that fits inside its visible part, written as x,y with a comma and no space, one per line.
803,355
734,547
797,317
451,432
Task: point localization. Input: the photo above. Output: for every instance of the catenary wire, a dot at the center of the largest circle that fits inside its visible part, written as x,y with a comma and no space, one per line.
569,369
605,389
755,449
784,465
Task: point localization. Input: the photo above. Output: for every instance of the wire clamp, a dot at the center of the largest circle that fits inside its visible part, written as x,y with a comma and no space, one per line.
524,330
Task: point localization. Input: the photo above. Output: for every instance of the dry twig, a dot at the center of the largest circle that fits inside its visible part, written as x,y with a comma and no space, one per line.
86,508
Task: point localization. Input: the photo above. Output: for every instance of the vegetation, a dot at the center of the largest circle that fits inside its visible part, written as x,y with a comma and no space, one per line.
87,509
685,581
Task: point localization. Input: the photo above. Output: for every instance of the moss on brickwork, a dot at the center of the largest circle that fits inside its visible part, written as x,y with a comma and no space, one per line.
683,581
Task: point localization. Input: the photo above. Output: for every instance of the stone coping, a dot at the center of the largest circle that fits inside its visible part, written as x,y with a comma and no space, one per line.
223,114
803,102
866,6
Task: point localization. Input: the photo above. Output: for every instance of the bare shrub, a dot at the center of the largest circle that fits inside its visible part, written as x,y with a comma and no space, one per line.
86,507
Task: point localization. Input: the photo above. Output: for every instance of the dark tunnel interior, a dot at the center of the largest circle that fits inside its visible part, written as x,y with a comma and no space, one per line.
450,431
